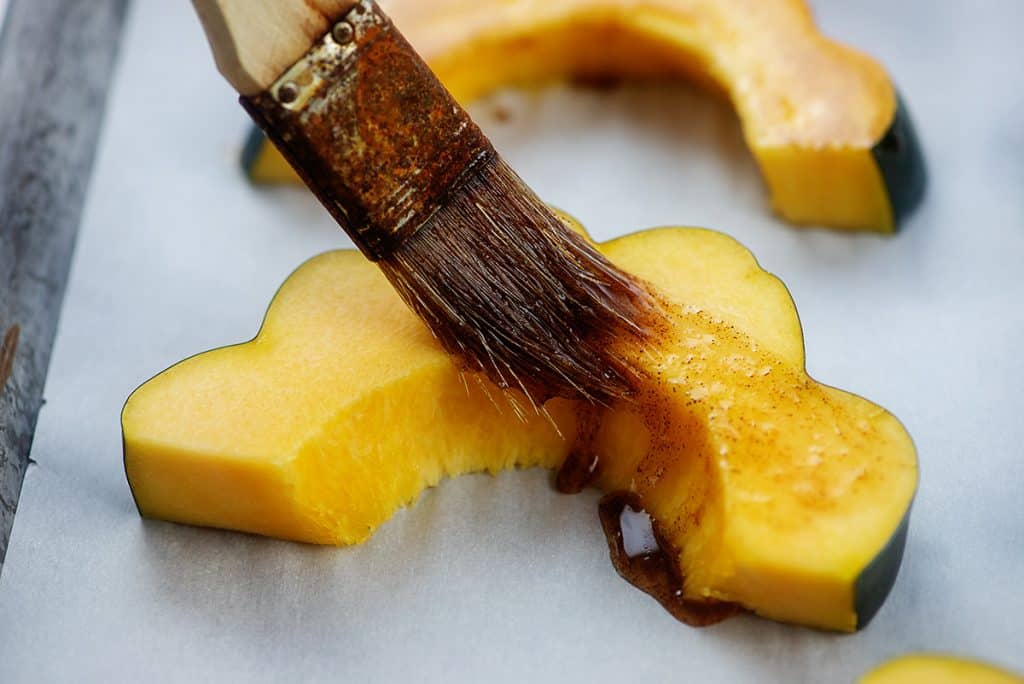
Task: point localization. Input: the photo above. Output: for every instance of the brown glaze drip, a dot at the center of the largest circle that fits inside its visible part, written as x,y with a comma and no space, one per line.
580,467
600,82
645,559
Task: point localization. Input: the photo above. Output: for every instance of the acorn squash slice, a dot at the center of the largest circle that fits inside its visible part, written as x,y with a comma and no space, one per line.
774,492
833,141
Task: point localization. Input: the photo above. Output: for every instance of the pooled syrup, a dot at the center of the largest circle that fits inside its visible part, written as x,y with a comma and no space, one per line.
639,552
644,558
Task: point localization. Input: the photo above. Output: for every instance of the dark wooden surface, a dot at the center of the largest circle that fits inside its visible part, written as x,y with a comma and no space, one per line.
56,58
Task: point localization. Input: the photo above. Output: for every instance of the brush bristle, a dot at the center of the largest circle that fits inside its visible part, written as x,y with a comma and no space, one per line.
508,289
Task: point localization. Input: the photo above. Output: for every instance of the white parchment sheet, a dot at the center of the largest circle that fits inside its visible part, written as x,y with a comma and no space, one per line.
502,579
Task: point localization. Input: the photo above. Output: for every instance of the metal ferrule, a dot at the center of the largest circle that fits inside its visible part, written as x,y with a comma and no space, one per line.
370,130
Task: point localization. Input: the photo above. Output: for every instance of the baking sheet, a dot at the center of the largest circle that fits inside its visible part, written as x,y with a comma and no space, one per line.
502,579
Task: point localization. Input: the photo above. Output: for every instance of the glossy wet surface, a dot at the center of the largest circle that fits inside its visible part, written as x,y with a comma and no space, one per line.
644,558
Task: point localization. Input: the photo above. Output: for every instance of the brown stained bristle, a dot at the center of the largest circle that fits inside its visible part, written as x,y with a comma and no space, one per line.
508,289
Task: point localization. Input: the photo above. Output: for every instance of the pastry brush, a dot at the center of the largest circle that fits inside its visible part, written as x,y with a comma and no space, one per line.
498,278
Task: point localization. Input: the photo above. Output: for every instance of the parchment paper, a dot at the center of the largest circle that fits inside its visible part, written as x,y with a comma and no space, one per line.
502,579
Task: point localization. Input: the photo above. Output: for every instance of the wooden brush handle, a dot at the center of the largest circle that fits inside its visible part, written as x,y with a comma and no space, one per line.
371,130
255,41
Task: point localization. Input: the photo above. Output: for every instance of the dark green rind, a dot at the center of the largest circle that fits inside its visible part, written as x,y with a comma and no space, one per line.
251,150
876,580
901,162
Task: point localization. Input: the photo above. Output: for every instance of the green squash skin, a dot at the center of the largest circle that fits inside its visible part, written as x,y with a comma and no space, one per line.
900,160
251,150
876,580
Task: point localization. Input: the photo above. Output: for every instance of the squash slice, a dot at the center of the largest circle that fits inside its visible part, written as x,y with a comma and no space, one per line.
782,495
834,143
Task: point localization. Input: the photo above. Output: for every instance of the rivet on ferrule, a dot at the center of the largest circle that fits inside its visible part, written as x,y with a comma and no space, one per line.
287,92
343,33
304,79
